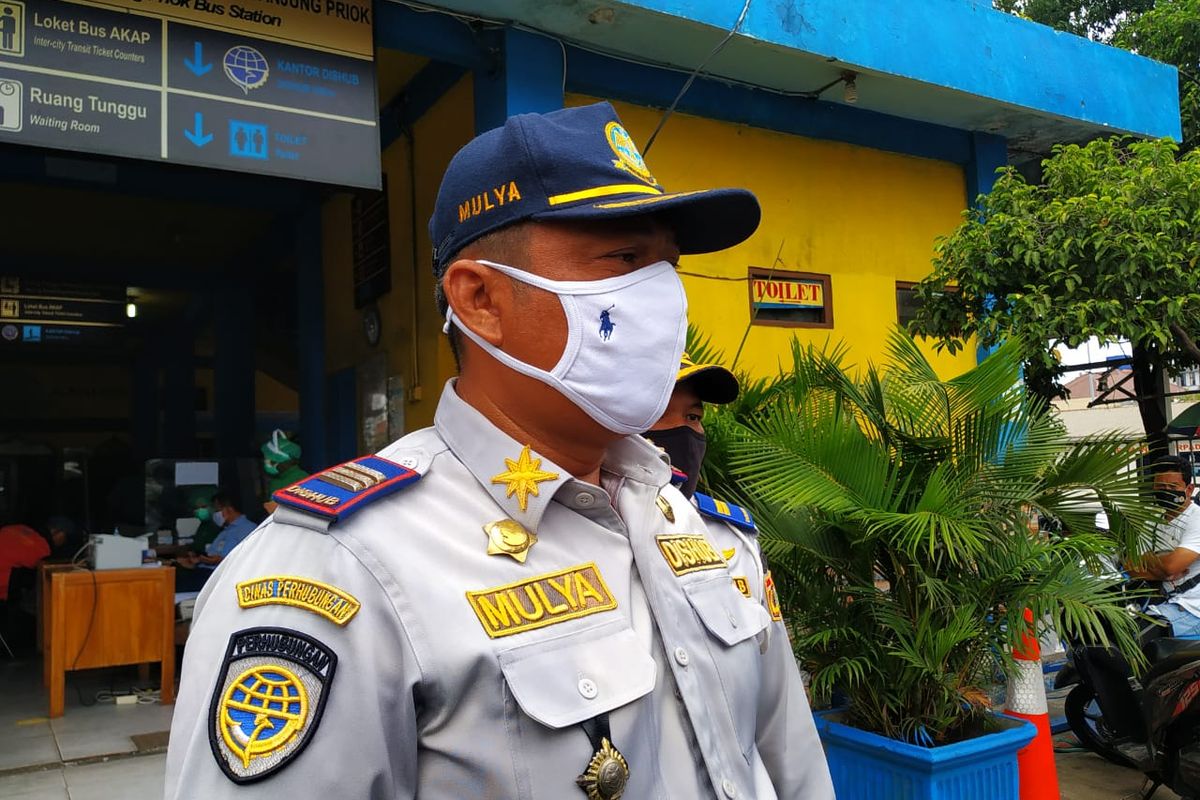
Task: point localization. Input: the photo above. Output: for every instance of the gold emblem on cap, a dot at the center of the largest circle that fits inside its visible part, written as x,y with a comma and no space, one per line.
606,774
628,158
522,477
664,505
507,537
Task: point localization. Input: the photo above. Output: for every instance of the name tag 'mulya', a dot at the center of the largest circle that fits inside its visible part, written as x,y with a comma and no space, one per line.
543,600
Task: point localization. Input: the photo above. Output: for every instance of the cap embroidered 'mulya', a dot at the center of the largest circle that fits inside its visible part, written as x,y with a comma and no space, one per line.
488,201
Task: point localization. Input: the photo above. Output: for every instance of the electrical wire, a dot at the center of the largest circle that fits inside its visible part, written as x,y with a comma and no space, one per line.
754,313
88,635
691,78
704,277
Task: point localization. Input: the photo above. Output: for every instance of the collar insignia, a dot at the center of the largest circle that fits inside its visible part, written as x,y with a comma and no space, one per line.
522,477
664,505
729,554
508,537
606,774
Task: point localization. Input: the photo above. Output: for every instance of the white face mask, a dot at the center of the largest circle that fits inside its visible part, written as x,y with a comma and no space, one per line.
625,336
218,519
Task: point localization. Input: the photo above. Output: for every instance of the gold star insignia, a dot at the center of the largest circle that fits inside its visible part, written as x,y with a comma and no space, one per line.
729,554
522,477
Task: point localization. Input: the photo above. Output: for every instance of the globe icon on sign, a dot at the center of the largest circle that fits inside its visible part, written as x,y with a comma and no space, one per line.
262,711
246,67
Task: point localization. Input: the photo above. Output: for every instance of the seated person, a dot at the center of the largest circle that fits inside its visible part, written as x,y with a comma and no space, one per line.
20,546
207,530
233,528
1175,563
65,539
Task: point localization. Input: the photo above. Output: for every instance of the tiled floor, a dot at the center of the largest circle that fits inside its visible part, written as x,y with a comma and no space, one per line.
136,778
84,754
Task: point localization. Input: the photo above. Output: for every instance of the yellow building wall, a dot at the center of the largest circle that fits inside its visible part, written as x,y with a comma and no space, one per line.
865,217
411,331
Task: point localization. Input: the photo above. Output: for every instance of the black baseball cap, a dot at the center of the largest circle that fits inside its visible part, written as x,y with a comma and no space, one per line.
711,382
574,163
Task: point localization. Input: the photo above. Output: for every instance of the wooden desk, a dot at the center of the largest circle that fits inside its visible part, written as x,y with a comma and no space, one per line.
44,570
131,613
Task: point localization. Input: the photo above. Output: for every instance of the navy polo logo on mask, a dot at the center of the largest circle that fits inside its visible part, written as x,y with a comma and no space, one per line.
607,326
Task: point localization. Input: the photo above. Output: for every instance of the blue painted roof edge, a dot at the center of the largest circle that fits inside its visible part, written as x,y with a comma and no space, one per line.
964,45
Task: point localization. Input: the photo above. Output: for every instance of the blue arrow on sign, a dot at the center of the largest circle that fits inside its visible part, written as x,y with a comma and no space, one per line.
196,62
197,136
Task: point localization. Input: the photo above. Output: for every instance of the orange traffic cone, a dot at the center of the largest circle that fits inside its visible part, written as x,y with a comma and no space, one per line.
1027,700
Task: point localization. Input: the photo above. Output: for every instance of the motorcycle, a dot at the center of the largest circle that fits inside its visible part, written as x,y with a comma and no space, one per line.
1149,722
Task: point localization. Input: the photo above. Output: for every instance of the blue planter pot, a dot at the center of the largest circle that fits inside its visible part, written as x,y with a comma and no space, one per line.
867,766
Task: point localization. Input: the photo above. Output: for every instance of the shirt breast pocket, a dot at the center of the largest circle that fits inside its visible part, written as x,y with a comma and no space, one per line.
555,684
733,623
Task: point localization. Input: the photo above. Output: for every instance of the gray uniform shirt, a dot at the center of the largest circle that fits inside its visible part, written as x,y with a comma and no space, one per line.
424,665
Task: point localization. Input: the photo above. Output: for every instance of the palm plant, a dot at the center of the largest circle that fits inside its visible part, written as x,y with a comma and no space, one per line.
898,513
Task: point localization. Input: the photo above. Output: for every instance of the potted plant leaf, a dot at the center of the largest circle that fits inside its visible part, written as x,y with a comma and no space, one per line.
898,513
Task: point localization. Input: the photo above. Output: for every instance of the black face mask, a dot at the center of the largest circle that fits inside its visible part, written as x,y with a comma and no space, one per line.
1170,499
685,447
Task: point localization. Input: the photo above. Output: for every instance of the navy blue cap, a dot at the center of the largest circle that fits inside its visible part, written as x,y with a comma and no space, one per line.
574,163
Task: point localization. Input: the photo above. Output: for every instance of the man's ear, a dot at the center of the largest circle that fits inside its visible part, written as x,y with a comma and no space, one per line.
478,294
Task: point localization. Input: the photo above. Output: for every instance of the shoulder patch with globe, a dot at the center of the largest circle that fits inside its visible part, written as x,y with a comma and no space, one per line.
268,700
246,67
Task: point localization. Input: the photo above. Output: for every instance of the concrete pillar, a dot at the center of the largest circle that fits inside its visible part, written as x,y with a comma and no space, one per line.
147,402
233,372
989,152
179,393
310,298
525,76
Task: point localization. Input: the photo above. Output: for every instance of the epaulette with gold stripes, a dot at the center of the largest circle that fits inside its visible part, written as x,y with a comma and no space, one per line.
735,515
340,491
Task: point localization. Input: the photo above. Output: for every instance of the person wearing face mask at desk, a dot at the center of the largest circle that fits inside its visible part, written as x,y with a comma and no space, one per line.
232,527
1177,562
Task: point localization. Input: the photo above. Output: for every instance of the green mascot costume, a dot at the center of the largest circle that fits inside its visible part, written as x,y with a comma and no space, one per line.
281,458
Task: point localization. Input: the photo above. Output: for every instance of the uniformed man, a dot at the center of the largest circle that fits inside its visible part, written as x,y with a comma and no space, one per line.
514,603
680,434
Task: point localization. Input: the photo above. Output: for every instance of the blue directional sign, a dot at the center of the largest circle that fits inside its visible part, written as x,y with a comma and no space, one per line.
196,62
196,135
93,79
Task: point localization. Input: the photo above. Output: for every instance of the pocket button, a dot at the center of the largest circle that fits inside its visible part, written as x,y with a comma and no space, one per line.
588,688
